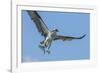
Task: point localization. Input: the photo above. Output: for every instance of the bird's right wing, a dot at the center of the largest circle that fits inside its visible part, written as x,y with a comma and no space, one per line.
42,28
68,38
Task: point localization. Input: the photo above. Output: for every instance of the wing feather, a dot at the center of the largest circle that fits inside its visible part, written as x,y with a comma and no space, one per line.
42,28
64,38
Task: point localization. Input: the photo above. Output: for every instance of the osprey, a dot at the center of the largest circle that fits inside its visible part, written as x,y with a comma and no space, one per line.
49,36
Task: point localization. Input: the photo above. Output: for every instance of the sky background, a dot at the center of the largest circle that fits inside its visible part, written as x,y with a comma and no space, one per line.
69,24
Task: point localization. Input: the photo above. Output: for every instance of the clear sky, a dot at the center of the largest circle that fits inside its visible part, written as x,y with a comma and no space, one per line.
69,24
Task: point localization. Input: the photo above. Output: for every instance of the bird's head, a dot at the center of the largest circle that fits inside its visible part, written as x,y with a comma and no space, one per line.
56,30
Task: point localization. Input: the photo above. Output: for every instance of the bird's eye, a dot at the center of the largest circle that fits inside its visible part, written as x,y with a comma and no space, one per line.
57,30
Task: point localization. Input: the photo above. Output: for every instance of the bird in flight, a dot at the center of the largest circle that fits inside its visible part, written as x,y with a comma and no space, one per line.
49,35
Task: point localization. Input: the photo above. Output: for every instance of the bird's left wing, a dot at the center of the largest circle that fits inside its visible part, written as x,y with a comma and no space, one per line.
42,28
68,38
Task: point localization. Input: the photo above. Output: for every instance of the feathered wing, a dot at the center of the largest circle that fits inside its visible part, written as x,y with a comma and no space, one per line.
68,38
42,28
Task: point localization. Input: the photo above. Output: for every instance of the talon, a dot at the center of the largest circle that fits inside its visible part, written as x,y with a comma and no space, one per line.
44,51
48,51
42,42
41,46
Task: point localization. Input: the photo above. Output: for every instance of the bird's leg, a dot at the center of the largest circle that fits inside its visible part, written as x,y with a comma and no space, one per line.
43,49
42,42
46,43
48,51
41,46
49,45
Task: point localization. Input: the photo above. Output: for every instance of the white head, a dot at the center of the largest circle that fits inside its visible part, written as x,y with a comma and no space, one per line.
55,30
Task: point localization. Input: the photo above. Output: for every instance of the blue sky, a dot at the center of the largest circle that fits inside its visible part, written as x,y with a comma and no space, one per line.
69,24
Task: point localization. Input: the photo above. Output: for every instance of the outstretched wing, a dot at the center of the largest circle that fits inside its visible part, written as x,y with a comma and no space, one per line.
64,38
42,28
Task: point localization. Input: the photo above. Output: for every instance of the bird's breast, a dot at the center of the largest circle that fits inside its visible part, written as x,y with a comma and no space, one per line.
51,35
